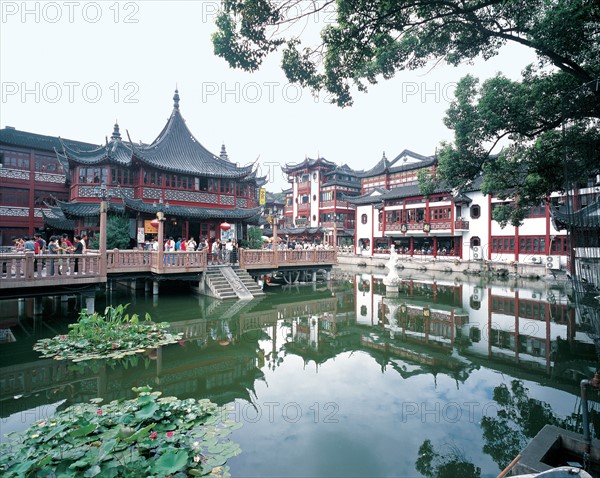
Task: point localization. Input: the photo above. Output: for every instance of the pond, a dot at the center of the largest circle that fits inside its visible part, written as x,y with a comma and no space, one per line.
450,376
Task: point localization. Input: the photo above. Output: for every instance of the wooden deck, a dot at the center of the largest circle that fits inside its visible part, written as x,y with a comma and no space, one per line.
26,270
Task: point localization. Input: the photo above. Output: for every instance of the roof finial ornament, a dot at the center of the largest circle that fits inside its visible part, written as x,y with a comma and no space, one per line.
384,157
176,99
223,154
116,135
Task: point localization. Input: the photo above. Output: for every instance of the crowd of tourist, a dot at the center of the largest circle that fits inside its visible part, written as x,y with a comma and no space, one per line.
56,245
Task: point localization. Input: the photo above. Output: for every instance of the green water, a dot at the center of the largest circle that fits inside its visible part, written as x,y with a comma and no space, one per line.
449,378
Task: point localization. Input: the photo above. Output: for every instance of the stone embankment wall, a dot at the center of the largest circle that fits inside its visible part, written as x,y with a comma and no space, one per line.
448,264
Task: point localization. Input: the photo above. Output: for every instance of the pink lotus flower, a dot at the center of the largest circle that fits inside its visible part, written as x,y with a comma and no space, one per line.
114,346
99,412
152,435
63,337
182,343
170,434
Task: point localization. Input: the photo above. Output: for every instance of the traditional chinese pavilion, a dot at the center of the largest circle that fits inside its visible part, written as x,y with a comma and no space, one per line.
197,191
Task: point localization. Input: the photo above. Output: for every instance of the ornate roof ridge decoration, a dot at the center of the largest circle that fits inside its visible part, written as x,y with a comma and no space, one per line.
384,165
307,163
584,218
260,180
115,151
176,149
381,167
408,152
192,212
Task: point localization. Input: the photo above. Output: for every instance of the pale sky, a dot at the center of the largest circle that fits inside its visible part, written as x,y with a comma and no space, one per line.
72,68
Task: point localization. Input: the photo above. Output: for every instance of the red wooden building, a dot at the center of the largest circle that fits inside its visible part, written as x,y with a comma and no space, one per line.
195,189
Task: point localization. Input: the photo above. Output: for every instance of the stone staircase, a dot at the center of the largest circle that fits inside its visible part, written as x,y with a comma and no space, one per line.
248,281
226,282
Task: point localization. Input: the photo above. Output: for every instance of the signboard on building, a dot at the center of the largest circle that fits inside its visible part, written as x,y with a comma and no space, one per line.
149,228
263,197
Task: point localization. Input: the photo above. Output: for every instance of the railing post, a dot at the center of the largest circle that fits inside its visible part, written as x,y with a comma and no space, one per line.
29,260
275,245
161,239
102,245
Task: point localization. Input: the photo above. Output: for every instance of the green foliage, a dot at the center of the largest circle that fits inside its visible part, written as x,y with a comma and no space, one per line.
117,233
427,183
363,41
113,335
541,158
145,436
255,237
444,464
518,420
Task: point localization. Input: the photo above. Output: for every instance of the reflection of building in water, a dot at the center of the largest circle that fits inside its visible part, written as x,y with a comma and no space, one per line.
218,359
311,325
425,311
536,329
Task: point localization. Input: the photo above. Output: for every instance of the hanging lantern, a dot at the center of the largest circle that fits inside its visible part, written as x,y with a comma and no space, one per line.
225,226
154,223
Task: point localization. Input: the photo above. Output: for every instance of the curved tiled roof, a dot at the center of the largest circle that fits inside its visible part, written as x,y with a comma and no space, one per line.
307,163
340,182
87,209
586,218
175,149
15,137
113,152
381,167
395,165
57,220
343,169
191,212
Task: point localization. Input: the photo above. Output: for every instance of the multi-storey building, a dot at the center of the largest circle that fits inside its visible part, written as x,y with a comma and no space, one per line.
31,179
317,202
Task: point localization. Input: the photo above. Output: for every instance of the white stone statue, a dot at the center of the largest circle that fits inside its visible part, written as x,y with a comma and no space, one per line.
392,279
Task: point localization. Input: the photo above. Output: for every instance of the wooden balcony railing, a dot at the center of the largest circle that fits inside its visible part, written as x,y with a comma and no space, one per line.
460,225
23,268
148,261
257,259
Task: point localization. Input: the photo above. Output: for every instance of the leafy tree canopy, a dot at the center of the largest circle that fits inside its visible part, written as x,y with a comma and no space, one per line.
254,238
363,41
117,233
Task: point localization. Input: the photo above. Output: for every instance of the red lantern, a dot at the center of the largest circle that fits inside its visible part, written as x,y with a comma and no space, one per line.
154,223
225,226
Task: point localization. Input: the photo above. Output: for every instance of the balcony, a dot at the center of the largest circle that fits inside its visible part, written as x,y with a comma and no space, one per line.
339,224
304,187
303,208
418,226
461,225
